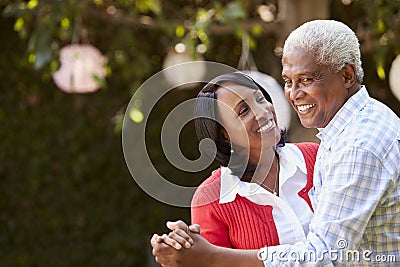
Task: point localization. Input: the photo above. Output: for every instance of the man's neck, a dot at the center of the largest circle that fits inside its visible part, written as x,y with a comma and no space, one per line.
353,90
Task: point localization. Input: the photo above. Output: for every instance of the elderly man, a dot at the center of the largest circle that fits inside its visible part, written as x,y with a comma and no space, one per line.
356,194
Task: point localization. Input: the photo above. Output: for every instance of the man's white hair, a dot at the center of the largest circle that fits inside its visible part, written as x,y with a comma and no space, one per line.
332,43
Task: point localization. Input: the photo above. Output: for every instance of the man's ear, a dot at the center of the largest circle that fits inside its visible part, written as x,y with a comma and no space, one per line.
349,75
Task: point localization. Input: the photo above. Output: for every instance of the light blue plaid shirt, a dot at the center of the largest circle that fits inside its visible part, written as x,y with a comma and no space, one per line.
356,194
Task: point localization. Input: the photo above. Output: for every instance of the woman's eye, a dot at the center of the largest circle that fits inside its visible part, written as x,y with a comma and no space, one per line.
243,111
260,99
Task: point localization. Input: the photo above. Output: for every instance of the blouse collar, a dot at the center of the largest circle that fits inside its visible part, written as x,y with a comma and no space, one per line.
290,159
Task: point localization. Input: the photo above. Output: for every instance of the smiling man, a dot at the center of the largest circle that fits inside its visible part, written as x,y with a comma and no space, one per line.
356,194
315,92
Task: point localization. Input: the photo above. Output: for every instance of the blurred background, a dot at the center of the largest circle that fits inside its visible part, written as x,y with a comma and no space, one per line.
68,69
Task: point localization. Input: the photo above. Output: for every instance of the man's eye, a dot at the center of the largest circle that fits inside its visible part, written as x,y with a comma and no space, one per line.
306,80
288,82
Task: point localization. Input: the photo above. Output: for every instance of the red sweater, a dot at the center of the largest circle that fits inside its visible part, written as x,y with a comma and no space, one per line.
242,224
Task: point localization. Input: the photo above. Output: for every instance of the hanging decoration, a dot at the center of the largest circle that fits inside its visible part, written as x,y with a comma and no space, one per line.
281,105
275,90
82,69
394,77
182,75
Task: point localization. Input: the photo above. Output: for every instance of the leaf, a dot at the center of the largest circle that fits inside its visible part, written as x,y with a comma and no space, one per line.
179,31
19,24
155,6
257,29
233,11
32,4
39,43
380,26
381,72
100,81
149,5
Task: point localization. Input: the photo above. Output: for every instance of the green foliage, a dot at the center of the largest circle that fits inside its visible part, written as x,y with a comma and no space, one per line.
231,12
377,25
51,24
382,18
66,196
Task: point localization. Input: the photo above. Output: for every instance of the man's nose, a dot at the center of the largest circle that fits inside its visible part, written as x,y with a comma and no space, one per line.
295,92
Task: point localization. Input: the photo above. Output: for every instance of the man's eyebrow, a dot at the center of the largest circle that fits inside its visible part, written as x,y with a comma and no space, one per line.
313,73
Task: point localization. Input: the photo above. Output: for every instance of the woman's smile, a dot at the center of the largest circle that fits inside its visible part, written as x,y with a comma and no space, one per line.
267,126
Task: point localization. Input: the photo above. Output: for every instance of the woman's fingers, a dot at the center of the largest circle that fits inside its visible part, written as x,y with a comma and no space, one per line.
178,225
181,237
181,229
195,228
176,239
162,252
172,242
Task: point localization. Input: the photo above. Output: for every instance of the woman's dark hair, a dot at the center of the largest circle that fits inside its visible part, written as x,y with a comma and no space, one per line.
207,123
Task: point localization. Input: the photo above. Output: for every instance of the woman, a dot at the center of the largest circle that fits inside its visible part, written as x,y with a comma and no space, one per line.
259,195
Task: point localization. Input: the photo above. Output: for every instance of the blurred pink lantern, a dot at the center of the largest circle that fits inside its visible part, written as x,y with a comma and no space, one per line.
82,69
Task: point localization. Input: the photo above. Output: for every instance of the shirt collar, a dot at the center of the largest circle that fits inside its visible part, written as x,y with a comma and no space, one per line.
232,185
290,159
344,116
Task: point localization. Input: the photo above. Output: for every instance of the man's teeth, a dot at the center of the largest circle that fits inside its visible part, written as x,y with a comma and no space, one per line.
305,107
269,124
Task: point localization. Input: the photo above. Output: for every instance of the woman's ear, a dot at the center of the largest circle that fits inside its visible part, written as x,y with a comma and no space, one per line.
272,108
225,135
349,75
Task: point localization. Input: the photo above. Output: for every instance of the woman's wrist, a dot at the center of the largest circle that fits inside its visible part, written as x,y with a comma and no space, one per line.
227,257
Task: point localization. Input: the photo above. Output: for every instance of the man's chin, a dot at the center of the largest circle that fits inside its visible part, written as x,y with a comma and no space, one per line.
307,123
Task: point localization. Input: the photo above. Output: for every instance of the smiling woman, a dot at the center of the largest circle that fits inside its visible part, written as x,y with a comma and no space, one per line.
262,181
227,106
251,110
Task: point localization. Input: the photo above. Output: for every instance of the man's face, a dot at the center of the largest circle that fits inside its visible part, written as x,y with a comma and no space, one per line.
313,90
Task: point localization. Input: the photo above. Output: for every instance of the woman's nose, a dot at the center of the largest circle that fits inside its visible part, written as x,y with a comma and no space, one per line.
261,111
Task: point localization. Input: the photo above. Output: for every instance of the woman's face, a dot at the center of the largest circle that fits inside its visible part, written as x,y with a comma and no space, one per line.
248,118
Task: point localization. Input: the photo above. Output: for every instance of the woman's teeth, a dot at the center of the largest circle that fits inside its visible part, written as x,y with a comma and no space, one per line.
266,127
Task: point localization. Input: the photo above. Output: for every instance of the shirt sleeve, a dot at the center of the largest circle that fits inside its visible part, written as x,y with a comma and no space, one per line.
352,183
211,224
